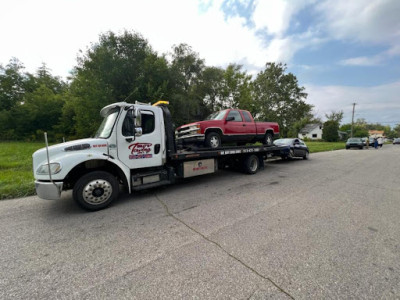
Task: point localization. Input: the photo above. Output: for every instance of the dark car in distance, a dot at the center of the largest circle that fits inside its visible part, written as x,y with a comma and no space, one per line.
354,143
396,141
293,147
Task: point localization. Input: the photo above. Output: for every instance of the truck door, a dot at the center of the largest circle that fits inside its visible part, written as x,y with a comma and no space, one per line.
235,128
140,151
298,149
250,125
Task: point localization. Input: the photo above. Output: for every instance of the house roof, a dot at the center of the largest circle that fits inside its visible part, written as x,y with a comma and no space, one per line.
308,128
376,132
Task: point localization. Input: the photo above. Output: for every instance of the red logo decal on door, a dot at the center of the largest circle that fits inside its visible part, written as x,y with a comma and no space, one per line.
140,150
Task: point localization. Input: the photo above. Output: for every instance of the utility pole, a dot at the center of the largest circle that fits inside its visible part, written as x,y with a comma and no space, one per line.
352,119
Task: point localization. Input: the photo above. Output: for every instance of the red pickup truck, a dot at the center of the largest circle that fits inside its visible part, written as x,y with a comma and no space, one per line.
229,125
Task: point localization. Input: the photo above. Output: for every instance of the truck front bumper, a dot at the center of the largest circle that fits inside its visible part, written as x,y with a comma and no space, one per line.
48,190
187,139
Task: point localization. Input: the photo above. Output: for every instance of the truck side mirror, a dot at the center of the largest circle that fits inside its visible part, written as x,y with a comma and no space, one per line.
138,131
231,118
138,123
138,118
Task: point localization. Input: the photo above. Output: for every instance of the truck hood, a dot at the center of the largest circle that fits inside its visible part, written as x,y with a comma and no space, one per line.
91,144
206,123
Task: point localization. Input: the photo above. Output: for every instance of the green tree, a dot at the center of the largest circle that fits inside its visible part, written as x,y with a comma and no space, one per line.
396,131
237,92
12,84
278,97
211,87
117,68
187,97
330,131
30,104
335,116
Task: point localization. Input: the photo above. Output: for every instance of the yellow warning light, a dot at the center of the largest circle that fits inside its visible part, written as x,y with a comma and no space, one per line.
161,102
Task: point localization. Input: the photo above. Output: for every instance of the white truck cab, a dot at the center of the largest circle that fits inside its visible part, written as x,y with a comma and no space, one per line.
131,136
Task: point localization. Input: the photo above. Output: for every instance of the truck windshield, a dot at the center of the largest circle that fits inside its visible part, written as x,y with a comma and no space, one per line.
219,115
107,125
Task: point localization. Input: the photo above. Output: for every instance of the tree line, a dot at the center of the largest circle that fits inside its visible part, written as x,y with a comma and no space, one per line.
360,128
124,67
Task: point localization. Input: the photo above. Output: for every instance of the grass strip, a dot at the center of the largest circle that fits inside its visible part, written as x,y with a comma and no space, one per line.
16,175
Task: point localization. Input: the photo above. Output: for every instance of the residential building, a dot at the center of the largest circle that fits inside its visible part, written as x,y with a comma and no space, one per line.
311,131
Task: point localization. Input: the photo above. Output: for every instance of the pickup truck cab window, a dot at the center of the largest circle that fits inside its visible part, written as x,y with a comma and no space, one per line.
236,116
219,115
247,116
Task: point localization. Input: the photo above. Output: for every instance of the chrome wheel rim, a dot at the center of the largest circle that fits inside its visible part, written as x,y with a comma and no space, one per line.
214,142
97,191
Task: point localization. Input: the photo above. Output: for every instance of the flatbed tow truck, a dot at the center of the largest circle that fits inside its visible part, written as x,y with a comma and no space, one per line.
135,147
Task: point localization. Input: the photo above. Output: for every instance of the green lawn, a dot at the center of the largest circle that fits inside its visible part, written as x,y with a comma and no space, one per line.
325,146
16,176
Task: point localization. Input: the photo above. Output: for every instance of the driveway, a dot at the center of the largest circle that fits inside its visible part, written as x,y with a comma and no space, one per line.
324,228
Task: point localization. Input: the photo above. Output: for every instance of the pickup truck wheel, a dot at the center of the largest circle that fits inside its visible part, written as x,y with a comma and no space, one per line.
251,164
213,140
96,190
268,140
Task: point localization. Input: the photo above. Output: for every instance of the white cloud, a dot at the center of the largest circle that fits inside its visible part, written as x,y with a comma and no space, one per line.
275,15
375,21
375,104
363,61
54,32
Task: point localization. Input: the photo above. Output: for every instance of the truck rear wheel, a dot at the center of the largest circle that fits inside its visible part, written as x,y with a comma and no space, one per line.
268,140
96,190
251,164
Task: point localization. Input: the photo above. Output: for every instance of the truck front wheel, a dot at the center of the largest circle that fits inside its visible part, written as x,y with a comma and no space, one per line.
96,190
213,140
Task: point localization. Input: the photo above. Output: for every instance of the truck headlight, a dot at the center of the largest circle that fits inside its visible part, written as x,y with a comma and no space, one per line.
195,128
44,169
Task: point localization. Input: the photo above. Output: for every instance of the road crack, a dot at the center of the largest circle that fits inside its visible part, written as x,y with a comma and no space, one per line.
222,248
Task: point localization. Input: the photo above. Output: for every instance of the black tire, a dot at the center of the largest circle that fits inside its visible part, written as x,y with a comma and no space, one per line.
306,155
213,140
251,164
96,190
291,154
268,139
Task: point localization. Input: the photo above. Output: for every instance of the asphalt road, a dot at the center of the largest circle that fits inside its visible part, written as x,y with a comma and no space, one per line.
324,228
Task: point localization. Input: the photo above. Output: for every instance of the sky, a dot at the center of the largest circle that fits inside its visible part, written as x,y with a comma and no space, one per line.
341,51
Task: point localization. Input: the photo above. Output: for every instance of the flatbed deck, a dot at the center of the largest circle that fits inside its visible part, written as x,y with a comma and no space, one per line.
198,153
